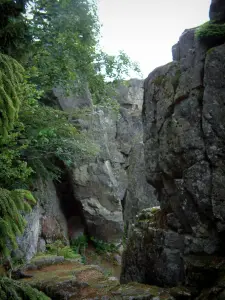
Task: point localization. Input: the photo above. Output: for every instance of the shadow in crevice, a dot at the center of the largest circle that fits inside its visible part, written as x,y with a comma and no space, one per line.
70,206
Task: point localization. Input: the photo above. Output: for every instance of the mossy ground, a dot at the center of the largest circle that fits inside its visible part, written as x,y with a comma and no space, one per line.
79,281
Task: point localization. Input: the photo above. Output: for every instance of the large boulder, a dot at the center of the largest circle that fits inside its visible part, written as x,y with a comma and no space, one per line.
184,138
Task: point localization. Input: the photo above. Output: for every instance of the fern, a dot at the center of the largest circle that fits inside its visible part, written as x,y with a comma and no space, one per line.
11,92
15,290
12,222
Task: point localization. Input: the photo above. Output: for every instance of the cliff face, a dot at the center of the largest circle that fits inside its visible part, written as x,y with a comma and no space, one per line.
109,192
184,137
104,194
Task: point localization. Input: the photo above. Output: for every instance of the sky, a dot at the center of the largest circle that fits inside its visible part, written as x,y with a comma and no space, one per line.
147,29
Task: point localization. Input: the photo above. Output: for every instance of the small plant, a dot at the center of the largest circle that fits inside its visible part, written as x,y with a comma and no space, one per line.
80,244
55,247
58,248
102,247
211,33
68,252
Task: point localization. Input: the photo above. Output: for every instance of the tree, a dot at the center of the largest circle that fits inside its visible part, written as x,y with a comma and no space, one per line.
14,35
65,34
67,52
11,92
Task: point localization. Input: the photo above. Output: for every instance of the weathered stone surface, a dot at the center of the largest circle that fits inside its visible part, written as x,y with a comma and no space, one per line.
41,245
152,254
116,176
106,189
46,223
184,136
53,224
77,281
217,10
27,244
73,101
139,194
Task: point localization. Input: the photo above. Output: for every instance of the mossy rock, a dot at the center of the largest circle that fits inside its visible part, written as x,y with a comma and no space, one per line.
158,81
140,291
211,33
45,260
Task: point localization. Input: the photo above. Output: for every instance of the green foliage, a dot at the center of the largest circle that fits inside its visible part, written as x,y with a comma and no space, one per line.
16,290
211,33
50,137
14,36
12,223
102,247
80,244
65,35
14,170
11,87
59,248
66,50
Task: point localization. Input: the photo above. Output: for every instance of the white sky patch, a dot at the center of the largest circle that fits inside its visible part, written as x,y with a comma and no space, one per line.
147,29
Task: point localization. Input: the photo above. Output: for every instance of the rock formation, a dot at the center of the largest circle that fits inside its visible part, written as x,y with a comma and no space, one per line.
184,138
217,10
107,184
102,194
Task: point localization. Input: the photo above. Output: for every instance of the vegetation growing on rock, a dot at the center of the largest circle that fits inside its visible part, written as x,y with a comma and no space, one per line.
211,33
11,86
52,45
14,290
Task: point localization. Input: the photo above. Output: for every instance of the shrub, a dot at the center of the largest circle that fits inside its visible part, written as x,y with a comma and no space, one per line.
80,244
12,222
211,33
15,290
11,85
51,137
102,247
58,248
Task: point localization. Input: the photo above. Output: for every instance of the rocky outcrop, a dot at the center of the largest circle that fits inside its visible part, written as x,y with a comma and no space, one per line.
28,242
112,186
53,224
184,137
217,10
98,195
45,224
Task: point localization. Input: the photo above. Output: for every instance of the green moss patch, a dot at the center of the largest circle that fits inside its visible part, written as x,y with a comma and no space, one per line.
159,80
211,33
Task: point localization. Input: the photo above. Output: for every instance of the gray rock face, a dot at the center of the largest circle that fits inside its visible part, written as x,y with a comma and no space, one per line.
115,178
139,194
53,224
45,224
100,194
184,137
217,10
27,244
68,102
